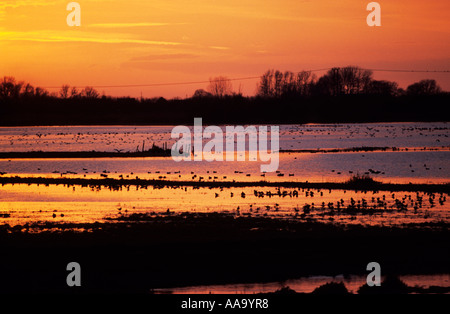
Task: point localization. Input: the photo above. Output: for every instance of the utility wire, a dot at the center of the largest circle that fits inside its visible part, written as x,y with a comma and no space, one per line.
410,71
247,78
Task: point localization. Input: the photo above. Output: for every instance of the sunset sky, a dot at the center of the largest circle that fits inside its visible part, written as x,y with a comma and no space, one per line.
165,41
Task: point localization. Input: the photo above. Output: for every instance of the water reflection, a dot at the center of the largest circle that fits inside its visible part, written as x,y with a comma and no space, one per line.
309,136
23,203
396,167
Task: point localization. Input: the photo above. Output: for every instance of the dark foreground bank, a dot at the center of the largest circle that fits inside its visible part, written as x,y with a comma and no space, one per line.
145,252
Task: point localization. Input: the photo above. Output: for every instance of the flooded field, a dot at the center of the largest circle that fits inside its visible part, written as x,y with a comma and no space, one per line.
402,152
309,136
420,155
307,208
395,167
22,204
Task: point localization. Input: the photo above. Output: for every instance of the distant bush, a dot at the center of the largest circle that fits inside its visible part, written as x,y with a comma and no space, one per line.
390,285
361,181
285,290
331,288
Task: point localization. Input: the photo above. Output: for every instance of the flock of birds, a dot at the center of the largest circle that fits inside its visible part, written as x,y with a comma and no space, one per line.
414,203
382,204
130,138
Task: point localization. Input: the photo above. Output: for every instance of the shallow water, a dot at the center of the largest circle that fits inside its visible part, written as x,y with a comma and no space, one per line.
75,204
40,203
395,167
414,165
309,136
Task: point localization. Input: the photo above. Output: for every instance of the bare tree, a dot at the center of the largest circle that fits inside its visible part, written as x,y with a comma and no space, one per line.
276,84
272,84
239,92
74,93
40,92
289,84
348,80
28,90
64,91
90,92
9,88
305,81
220,86
355,80
424,87
385,88
265,86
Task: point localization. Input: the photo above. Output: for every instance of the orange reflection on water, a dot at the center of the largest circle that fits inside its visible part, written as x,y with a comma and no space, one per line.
22,203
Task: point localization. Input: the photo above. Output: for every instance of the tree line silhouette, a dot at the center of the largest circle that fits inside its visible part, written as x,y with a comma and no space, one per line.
348,94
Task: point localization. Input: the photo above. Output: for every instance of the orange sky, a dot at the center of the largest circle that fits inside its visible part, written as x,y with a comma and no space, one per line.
161,41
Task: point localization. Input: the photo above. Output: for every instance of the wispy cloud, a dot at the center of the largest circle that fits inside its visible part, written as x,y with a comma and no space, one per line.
12,4
19,3
88,38
125,25
159,57
219,48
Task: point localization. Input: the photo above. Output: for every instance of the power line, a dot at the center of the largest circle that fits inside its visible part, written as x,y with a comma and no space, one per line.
247,78
410,71
178,83
160,84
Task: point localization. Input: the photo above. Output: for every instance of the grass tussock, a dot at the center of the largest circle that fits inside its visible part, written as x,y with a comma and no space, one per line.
362,181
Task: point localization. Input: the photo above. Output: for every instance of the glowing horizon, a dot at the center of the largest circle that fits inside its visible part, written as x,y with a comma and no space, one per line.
137,43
